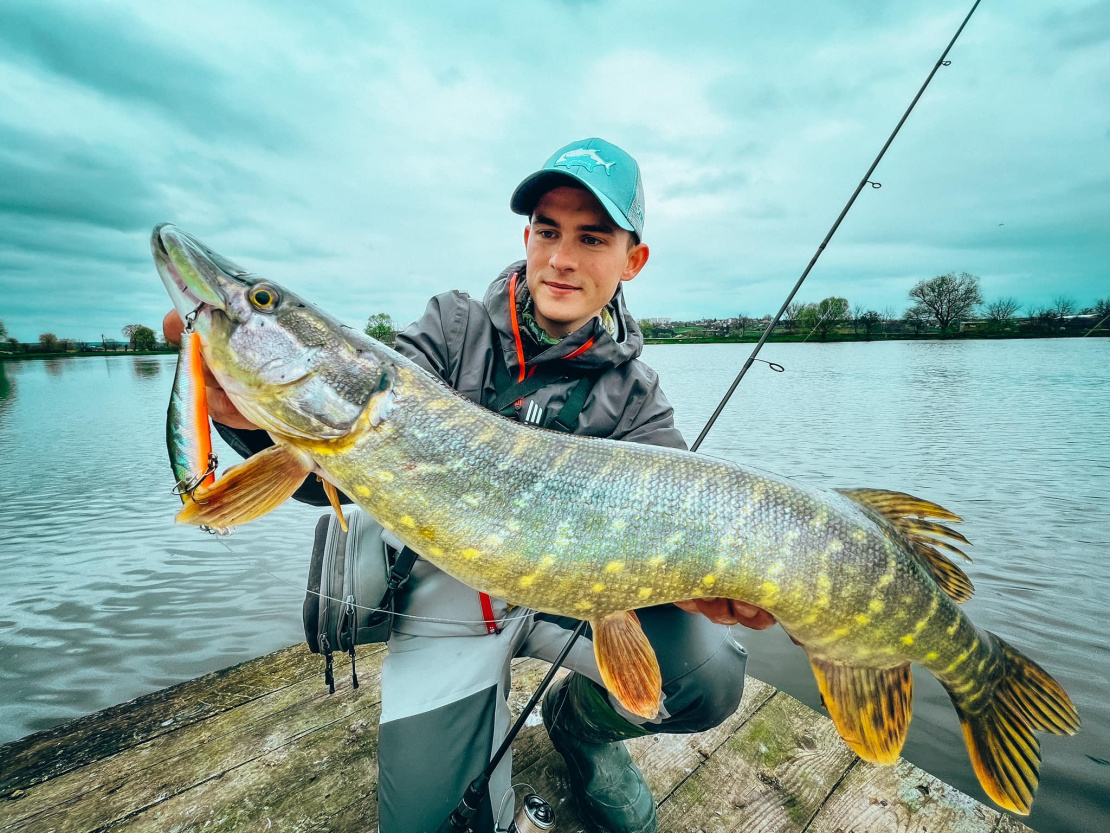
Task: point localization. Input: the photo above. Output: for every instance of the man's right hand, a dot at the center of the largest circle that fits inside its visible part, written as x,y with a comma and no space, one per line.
220,407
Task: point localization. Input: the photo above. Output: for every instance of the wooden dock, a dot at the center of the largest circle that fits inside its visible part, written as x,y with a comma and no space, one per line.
262,746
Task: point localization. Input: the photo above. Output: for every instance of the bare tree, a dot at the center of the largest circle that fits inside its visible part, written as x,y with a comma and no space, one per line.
889,314
855,314
870,321
790,317
948,297
919,317
1002,311
1102,306
48,342
3,331
1063,307
129,333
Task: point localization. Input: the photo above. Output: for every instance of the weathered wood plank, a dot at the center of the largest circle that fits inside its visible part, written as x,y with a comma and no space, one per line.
64,748
771,775
123,784
901,799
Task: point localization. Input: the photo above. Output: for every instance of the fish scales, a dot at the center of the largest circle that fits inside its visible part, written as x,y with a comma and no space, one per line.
594,528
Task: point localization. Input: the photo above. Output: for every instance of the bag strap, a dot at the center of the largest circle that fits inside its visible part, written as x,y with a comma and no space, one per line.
566,419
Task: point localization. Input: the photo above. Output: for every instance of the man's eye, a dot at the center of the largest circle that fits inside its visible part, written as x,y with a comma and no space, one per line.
592,241
546,234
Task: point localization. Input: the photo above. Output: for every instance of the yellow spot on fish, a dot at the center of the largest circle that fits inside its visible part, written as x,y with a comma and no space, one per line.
876,606
435,552
884,580
931,655
512,526
471,499
770,591
427,532
548,560
957,662
645,592
842,631
583,605
384,476
907,639
819,519
436,404
955,627
408,520
824,584
470,552
859,534
528,581
494,540
656,560
709,580
362,490
598,587
861,619
614,566
834,546
618,525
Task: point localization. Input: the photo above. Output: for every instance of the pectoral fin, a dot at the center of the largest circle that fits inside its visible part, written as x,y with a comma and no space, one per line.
333,499
870,707
249,490
627,662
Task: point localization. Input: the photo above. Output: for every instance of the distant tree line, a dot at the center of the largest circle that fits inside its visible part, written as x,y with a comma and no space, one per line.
138,338
942,305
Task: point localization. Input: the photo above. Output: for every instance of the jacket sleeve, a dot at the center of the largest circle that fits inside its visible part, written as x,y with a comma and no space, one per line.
425,342
649,418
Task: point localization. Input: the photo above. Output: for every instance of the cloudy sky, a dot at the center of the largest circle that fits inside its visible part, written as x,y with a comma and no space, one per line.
363,154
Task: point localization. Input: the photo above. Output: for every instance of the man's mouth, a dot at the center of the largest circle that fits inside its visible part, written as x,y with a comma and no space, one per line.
562,287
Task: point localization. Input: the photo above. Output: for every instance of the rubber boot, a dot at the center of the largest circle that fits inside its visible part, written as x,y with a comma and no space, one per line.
611,792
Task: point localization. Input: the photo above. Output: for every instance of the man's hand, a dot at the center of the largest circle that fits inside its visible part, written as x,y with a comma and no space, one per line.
730,612
220,407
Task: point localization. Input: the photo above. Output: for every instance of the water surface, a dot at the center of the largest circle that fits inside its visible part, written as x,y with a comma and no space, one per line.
106,599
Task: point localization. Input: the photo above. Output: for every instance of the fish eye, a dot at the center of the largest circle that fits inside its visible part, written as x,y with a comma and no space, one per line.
263,298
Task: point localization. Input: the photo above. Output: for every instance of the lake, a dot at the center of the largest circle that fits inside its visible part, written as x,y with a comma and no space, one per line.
106,599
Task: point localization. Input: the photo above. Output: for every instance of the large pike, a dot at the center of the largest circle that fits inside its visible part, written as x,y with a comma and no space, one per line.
593,528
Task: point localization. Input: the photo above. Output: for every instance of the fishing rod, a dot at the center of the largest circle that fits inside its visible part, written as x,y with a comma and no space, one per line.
942,61
459,820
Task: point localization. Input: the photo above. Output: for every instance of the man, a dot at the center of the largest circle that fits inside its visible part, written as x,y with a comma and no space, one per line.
553,345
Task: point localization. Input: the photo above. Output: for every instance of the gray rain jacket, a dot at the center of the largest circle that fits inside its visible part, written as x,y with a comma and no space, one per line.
462,341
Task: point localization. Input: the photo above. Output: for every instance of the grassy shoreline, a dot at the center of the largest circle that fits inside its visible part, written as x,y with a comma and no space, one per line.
799,338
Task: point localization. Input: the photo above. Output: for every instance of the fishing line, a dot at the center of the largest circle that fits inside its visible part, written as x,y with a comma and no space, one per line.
942,61
300,588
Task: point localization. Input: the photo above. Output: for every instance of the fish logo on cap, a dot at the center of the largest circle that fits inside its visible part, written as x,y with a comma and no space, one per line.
583,157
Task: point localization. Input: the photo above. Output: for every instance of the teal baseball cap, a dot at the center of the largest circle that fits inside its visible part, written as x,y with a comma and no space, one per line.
603,169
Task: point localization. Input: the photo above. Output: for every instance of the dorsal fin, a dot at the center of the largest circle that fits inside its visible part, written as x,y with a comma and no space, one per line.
907,514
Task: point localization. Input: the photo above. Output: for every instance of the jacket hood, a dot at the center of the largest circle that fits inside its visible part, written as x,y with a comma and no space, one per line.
590,347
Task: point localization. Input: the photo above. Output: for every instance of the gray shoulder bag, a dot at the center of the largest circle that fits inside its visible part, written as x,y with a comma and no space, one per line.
352,580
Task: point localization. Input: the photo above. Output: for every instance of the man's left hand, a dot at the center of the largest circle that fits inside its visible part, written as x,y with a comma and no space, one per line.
730,612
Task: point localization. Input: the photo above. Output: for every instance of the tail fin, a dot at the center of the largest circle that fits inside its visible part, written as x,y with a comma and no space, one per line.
999,736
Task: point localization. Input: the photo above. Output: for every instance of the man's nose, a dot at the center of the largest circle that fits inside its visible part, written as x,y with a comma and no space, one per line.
563,257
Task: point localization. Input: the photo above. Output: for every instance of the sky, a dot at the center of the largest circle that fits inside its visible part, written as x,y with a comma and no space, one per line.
363,154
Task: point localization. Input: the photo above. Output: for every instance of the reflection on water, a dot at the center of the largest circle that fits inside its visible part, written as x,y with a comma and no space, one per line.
147,366
1012,437
111,600
54,366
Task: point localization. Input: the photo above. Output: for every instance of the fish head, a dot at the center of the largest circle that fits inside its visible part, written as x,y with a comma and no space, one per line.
287,365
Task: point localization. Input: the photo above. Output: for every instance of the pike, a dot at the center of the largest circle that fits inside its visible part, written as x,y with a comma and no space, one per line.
593,528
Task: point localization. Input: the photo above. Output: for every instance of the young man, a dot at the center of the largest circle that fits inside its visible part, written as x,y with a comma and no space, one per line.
552,344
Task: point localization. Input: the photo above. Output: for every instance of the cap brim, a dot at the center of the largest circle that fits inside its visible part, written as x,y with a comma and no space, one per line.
528,193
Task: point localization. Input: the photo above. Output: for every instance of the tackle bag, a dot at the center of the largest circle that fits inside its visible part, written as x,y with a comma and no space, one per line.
352,579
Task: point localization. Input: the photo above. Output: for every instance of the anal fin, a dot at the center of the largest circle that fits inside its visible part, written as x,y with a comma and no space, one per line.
629,667
870,707
248,490
333,499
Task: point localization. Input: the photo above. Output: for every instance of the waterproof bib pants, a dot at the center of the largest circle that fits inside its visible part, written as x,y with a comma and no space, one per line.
444,708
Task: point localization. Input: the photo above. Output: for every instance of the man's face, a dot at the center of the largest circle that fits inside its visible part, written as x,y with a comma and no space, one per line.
576,258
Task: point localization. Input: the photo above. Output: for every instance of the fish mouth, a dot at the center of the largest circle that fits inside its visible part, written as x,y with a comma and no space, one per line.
194,275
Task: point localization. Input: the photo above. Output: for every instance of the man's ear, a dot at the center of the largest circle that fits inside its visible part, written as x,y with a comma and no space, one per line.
637,258
527,234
